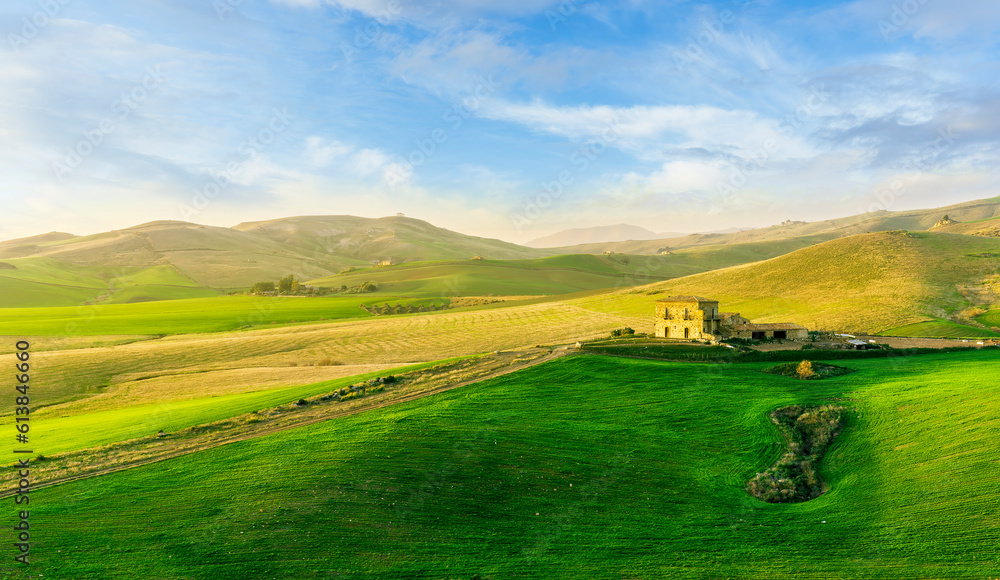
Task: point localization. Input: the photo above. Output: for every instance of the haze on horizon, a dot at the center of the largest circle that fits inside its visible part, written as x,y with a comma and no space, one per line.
512,121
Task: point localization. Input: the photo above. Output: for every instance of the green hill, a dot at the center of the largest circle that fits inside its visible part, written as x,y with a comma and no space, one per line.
555,274
870,282
397,238
587,467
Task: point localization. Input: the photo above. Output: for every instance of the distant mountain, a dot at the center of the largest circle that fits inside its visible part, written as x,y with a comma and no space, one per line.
597,234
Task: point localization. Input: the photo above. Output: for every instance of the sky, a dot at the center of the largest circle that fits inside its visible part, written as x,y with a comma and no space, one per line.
509,119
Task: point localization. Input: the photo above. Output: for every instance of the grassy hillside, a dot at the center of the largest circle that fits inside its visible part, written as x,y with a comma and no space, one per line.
541,276
920,220
368,239
589,467
199,256
941,329
43,281
871,282
556,274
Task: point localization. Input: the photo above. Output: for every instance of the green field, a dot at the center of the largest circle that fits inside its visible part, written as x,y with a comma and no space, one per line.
587,467
940,329
555,274
48,282
543,276
991,318
215,314
57,434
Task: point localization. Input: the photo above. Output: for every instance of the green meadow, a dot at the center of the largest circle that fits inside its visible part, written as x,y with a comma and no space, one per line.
195,315
57,434
940,329
586,467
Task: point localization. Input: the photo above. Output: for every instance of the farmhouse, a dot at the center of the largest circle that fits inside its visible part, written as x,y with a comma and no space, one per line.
697,318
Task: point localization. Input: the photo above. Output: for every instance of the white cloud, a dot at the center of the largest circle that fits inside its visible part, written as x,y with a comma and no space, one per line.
322,153
639,128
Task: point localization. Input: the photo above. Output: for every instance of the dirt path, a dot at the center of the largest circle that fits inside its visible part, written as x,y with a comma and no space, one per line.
496,365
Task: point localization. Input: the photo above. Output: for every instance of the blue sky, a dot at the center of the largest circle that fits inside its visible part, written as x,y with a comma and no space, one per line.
509,120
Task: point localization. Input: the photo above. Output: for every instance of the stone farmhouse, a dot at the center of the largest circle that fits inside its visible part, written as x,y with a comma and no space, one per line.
697,318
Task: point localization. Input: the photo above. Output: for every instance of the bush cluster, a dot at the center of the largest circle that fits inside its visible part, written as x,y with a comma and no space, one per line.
622,332
808,432
384,309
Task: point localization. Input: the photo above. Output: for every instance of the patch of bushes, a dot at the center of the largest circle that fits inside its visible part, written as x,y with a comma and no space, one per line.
385,309
807,432
622,332
368,286
808,370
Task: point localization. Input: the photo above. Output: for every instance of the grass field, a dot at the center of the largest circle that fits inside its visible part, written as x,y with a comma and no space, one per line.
192,361
991,318
556,275
940,329
74,427
40,282
587,467
216,314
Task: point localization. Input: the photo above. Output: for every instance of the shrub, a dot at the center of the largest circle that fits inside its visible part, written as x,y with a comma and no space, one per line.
807,432
348,396
622,332
805,370
261,287
302,402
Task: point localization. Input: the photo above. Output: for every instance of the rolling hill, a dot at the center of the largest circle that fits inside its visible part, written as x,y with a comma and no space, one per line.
615,233
171,259
918,220
366,239
870,282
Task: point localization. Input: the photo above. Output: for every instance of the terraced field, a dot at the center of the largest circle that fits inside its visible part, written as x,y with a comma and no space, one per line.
586,467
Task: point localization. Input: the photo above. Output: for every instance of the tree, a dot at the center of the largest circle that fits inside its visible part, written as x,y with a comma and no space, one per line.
262,287
288,285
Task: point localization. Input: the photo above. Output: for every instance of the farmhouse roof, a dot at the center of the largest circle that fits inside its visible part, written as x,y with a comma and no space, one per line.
772,326
686,299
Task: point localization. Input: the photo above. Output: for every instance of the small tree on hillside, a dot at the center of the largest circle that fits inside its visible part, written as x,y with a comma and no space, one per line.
805,370
262,287
288,285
